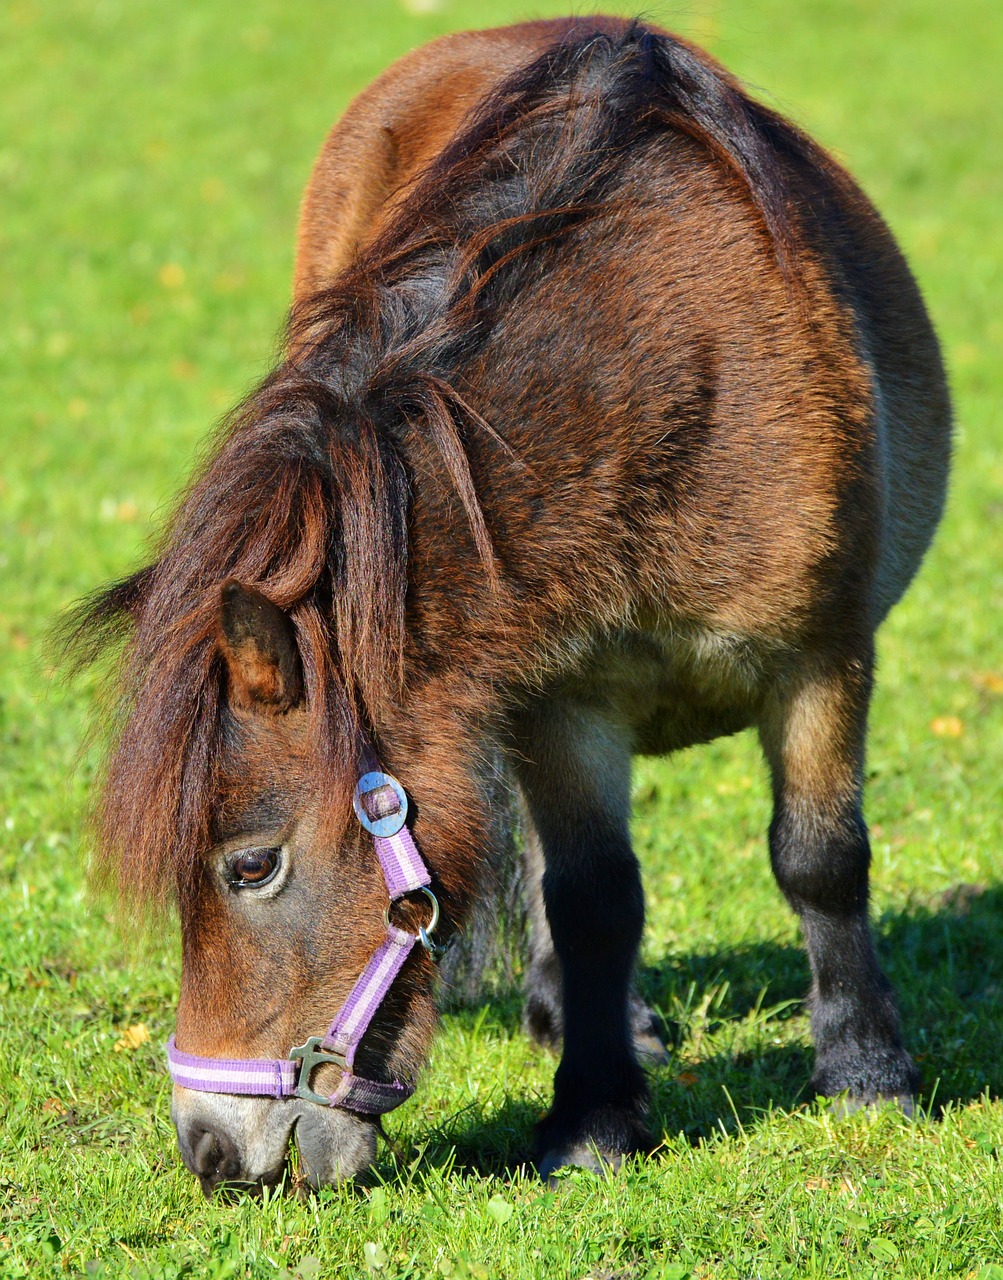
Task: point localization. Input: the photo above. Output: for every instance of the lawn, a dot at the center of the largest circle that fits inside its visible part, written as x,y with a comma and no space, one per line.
151,160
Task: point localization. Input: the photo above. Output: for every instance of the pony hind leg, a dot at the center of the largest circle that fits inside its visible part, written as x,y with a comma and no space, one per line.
574,769
813,730
543,1016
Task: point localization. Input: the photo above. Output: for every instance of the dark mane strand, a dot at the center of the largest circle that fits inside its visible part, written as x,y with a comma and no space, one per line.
307,494
540,155
99,620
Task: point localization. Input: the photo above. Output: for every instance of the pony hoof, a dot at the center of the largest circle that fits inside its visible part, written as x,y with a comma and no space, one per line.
581,1155
542,1025
651,1050
597,1143
646,1033
849,1104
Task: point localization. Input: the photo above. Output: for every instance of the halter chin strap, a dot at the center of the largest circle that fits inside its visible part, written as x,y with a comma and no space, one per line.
381,806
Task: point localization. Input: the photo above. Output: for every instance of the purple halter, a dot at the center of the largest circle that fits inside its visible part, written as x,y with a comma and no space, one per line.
381,806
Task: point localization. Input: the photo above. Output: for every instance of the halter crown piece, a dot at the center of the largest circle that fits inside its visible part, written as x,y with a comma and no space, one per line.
380,804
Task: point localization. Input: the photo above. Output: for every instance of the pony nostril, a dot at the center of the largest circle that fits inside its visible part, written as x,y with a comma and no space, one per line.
215,1158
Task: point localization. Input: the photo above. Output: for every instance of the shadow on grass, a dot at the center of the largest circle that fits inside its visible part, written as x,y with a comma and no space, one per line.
944,957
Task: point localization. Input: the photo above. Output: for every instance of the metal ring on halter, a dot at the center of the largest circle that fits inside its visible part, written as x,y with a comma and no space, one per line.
390,823
425,931
435,949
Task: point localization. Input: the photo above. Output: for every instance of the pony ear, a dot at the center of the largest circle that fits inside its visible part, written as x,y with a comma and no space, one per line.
258,641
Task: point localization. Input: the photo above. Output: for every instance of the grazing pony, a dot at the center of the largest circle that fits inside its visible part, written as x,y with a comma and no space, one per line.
611,421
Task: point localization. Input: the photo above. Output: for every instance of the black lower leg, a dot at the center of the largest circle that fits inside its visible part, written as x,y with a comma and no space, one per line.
813,733
595,911
574,770
821,863
543,1012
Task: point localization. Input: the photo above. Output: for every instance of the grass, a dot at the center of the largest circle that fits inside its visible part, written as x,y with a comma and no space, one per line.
151,162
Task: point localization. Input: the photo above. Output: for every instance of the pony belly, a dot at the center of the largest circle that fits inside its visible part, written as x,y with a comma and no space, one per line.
677,690
685,723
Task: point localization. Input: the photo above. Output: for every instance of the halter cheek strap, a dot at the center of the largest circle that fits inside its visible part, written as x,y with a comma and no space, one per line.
381,806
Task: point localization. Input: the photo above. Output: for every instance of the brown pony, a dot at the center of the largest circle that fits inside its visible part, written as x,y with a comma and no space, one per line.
611,422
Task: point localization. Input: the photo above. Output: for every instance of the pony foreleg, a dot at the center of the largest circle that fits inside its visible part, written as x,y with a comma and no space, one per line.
813,735
542,1017
575,774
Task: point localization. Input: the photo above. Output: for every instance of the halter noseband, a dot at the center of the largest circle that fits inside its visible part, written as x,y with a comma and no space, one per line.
381,806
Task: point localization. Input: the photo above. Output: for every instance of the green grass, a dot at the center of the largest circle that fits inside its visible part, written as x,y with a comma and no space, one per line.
151,159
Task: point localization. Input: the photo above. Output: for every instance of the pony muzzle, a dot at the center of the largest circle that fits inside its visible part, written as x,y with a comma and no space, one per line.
243,1143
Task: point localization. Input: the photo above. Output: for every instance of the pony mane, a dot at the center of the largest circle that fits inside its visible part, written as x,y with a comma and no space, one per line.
306,495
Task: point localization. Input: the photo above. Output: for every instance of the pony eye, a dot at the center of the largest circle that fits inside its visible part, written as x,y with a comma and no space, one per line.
254,867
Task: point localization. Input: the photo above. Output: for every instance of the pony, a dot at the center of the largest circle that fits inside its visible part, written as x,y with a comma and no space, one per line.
609,421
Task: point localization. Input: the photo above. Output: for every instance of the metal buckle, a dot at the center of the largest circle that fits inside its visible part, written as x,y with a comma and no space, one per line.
390,823
312,1056
435,949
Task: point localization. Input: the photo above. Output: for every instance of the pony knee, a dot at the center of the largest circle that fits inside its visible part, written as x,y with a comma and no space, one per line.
597,911
820,862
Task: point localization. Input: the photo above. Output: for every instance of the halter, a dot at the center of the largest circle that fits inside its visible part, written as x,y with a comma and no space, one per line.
381,806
